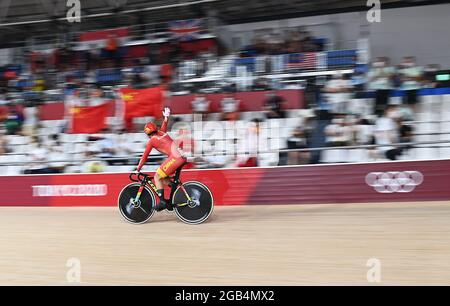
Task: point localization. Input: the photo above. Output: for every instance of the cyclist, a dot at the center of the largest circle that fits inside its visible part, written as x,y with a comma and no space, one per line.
161,141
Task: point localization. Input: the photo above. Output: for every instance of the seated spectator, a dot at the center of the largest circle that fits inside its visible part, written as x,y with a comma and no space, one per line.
39,83
95,96
57,157
105,147
338,91
139,79
308,42
230,107
253,148
261,84
123,148
93,164
71,100
4,147
297,140
200,106
31,119
112,48
339,133
274,106
13,122
212,157
380,79
405,134
364,134
90,77
429,75
386,134
38,155
294,44
411,78
258,47
4,110
249,146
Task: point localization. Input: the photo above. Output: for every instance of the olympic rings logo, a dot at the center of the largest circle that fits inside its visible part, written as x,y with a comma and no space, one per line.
393,182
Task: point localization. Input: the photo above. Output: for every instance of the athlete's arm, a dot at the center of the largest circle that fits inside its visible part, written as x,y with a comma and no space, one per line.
166,114
144,157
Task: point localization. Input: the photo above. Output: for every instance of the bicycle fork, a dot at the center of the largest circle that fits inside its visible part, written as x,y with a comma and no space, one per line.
141,188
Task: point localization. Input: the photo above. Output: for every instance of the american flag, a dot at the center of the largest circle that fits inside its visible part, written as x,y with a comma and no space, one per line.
306,60
185,30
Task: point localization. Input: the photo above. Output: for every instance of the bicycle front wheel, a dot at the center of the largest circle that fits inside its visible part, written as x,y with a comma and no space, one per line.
136,212
196,208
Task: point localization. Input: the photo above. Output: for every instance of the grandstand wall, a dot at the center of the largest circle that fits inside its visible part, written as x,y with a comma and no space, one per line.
351,183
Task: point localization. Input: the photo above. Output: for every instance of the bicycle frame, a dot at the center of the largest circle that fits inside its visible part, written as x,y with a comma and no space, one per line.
148,181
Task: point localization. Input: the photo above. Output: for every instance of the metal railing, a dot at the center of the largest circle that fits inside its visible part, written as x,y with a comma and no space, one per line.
409,145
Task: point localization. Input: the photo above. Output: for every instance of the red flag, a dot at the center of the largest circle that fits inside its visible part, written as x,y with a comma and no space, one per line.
142,103
88,120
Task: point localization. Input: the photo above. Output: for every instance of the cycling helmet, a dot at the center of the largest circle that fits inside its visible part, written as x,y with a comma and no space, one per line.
150,128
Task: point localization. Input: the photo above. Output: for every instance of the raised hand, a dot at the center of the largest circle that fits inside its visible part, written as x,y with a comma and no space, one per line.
166,112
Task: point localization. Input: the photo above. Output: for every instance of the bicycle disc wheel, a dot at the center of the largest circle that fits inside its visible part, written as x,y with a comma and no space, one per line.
199,209
140,212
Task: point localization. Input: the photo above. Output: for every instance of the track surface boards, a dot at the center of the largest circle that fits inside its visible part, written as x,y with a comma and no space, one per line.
242,245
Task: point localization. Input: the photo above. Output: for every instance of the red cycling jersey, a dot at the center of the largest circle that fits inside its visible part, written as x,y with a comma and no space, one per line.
162,142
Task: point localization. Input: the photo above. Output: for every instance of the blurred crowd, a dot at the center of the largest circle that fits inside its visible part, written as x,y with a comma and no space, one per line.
352,119
385,122
293,41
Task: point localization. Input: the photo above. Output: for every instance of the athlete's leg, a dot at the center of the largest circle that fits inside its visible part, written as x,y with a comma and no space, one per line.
167,168
159,179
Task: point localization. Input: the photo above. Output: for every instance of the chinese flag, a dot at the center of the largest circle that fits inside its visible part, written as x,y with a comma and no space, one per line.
142,103
89,120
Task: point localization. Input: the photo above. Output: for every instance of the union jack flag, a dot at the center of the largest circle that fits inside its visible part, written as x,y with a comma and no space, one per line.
302,61
185,30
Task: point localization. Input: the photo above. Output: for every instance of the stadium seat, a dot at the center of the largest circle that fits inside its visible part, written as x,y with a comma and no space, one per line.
334,156
73,169
80,137
119,169
4,159
74,137
18,140
293,122
427,127
445,99
186,117
12,170
426,153
425,116
20,149
358,156
293,113
277,144
80,147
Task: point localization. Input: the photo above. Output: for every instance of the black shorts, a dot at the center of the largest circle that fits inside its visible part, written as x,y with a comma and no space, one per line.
393,154
381,101
411,97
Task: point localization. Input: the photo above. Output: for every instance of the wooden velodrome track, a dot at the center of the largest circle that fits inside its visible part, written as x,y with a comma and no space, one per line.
246,245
